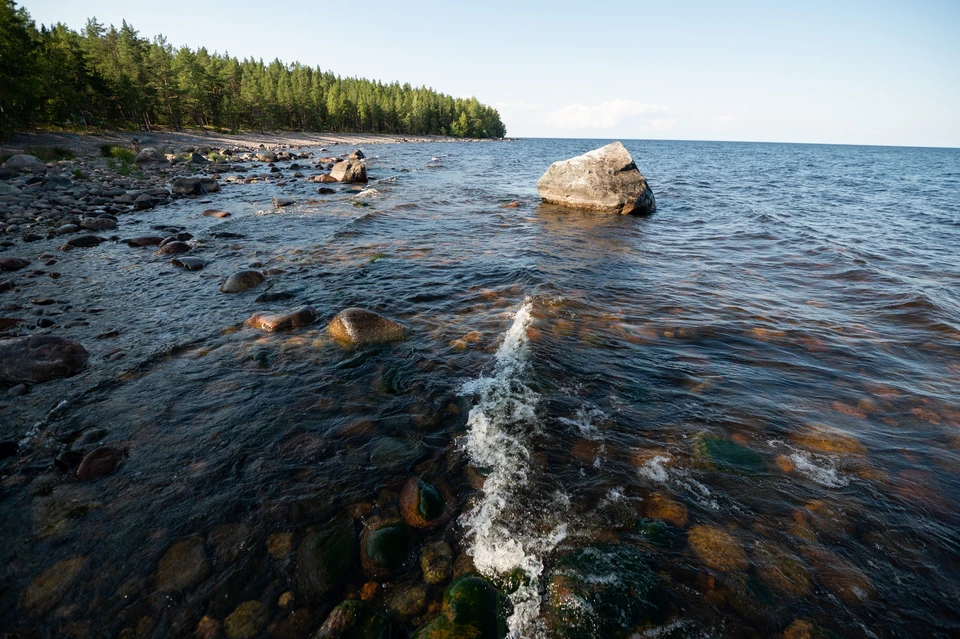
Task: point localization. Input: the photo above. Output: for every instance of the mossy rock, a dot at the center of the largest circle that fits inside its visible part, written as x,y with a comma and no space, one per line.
472,609
354,619
385,548
655,532
425,505
728,455
323,559
605,590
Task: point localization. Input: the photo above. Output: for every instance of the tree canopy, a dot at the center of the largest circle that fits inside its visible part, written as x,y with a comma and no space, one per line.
114,78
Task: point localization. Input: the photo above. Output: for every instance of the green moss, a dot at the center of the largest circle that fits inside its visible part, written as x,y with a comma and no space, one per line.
388,546
472,609
603,590
354,619
432,503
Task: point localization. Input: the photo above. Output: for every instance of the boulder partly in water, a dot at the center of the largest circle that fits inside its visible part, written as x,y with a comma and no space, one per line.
359,327
606,179
39,358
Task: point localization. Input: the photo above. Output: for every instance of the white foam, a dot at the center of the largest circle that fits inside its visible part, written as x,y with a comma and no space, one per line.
654,468
498,428
823,475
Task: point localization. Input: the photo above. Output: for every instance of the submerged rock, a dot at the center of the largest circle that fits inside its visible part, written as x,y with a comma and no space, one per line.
217,213
436,562
605,179
45,592
242,281
717,548
384,548
424,505
473,608
360,327
322,560
349,171
184,565
726,454
247,621
354,619
601,591
303,316
39,358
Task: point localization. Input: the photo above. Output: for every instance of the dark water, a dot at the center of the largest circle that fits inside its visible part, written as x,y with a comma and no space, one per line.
800,301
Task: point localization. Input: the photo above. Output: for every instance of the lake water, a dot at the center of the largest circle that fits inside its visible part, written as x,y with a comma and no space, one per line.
769,366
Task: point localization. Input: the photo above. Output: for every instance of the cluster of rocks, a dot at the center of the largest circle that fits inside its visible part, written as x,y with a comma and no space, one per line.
37,198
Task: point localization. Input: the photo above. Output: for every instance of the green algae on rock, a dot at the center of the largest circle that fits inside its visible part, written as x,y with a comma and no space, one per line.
323,559
354,619
604,590
384,548
728,455
425,505
472,609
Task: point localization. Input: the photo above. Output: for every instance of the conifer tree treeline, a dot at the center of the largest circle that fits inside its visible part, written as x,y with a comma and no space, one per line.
110,77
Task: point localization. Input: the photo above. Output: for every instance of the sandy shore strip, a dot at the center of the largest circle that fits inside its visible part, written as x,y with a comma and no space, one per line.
85,143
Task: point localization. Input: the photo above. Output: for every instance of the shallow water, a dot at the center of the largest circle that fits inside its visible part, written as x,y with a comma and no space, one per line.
801,301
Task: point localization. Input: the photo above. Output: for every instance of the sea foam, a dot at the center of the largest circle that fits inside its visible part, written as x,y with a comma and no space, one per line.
498,430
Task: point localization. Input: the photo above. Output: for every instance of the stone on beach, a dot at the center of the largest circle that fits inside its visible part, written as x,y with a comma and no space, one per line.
303,316
39,358
384,548
353,618
605,179
359,327
243,281
149,156
472,607
215,213
349,171
22,162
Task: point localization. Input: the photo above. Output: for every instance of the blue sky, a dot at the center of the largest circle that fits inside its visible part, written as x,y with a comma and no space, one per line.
835,72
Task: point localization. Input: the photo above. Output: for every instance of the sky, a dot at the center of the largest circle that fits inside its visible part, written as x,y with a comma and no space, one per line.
845,72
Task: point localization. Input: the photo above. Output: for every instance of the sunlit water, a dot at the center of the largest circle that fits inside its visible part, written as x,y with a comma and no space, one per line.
801,301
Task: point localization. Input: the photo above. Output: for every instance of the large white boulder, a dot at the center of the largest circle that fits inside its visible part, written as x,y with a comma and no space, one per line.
606,179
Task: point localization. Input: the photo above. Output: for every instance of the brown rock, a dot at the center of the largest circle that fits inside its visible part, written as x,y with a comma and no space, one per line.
148,240
39,358
13,263
359,327
717,548
242,281
173,248
326,179
46,591
215,213
303,316
426,505
98,463
184,565
247,621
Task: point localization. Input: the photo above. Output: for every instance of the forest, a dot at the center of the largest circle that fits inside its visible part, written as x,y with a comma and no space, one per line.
113,78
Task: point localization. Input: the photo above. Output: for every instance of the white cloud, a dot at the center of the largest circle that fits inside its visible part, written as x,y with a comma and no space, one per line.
610,114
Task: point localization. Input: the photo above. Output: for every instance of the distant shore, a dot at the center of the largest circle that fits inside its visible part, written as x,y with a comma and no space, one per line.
84,143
